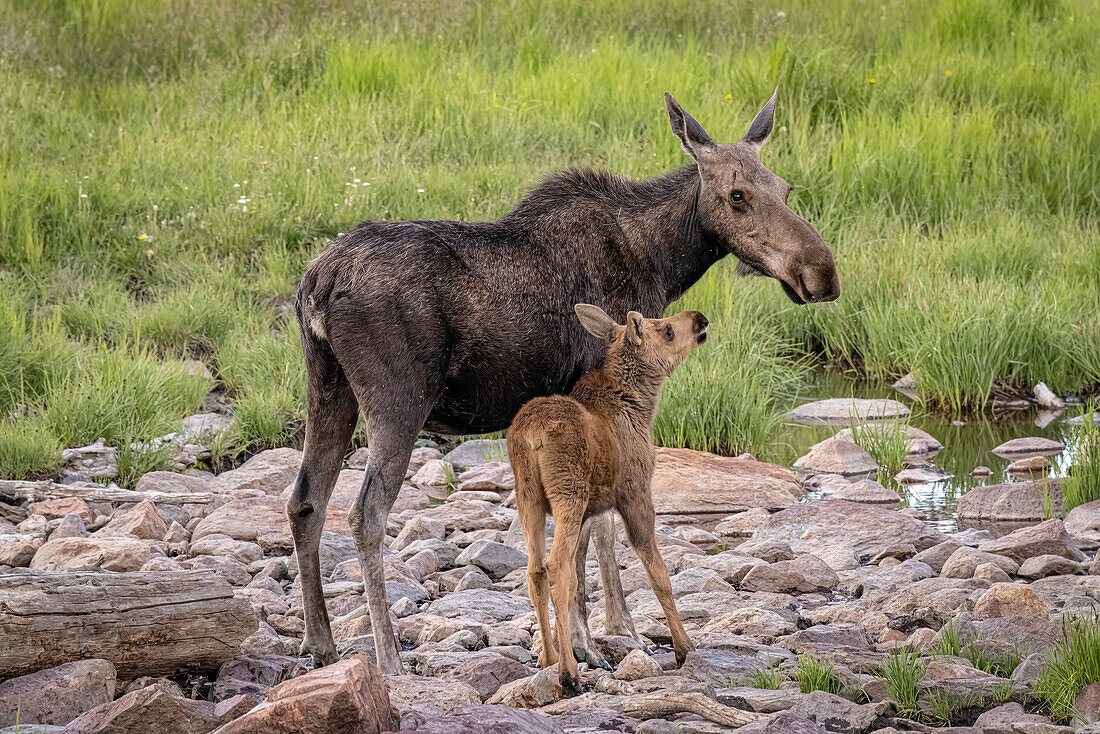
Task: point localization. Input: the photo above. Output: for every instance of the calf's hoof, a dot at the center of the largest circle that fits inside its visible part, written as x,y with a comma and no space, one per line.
570,685
682,653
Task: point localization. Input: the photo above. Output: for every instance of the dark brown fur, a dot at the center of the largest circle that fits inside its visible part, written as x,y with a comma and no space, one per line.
452,326
591,452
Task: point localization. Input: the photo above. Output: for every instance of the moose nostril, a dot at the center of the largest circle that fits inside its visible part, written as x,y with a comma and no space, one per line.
701,322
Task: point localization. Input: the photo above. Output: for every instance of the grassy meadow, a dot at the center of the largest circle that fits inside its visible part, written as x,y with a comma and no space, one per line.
167,169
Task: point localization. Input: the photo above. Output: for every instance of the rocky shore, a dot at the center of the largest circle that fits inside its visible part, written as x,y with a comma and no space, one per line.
176,608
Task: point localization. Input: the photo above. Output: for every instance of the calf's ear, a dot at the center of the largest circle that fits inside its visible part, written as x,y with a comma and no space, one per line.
595,321
635,324
692,136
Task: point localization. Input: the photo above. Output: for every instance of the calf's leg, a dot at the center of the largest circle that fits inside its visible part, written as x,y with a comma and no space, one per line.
617,620
639,519
330,422
568,517
532,516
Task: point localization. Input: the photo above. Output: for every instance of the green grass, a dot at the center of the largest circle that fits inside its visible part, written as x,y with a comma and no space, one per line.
1082,485
168,169
885,441
769,677
1070,666
815,674
901,673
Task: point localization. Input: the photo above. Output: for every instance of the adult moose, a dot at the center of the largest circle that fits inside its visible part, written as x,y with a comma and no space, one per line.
453,326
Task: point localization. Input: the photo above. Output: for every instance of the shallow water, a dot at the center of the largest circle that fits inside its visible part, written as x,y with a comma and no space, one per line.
965,447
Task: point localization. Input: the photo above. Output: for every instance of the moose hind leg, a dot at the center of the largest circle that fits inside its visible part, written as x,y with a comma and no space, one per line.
331,414
617,620
568,517
584,648
389,447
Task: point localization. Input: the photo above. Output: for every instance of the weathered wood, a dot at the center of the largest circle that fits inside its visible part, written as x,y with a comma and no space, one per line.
660,704
145,622
46,490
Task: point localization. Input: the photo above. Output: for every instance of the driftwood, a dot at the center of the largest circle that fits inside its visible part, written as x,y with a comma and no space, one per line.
145,622
660,704
45,490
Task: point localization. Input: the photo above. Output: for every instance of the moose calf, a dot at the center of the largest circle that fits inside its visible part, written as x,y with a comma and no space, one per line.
591,452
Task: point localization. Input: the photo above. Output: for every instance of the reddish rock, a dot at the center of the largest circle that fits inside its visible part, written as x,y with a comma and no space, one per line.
1009,600
56,696
349,697
687,482
140,521
837,456
268,471
62,506
262,520
1046,538
95,554
1083,521
149,710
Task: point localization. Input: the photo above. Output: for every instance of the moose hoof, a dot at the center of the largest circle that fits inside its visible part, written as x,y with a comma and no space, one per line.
321,656
570,685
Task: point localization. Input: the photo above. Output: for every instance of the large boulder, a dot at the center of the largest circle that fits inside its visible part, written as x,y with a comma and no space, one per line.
140,521
485,719
496,559
446,693
1046,538
835,411
1030,446
687,482
477,451
482,605
149,710
1014,502
95,554
262,520
348,697
837,456
844,533
58,695
268,471
1009,600
718,667
1083,521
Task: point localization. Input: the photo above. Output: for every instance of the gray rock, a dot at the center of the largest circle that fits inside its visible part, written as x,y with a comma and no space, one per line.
784,723
484,605
1011,502
1083,521
268,471
496,559
841,410
486,719
837,456
1031,446
254,675
485,670
446,693
1046,538
841,533
963,561
866,490
57,695
1038,567
1000,720
477,451
719,667
835,713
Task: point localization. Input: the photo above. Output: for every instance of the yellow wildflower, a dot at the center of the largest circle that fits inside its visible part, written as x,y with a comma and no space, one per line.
871,80
729,96
149,253
947,73
143,236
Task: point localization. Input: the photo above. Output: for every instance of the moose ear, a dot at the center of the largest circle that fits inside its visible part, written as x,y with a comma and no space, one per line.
595,321
692,135
634,327
762,124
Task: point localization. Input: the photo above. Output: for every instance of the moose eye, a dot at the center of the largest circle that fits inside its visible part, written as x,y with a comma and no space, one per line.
668,333
737,196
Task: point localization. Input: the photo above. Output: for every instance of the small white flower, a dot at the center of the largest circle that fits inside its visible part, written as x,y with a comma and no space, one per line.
780,14
420,191
83,196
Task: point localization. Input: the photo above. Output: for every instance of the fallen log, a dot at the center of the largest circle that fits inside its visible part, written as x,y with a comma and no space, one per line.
46,490
661,704
145,622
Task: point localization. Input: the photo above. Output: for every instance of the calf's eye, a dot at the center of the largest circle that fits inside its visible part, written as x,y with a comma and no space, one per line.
737,196
668,333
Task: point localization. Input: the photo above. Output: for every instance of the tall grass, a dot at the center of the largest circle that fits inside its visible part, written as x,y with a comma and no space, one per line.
1070,666
901,673
1082,485
168,168
886,441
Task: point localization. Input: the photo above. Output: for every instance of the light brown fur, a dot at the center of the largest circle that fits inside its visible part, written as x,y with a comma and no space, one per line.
582,455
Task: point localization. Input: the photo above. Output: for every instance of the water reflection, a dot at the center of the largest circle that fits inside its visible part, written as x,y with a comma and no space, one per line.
966,447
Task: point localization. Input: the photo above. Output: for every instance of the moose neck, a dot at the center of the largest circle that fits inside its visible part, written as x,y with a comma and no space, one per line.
622,388
663,227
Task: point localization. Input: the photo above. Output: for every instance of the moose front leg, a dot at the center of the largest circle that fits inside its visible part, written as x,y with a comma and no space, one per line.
617,620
